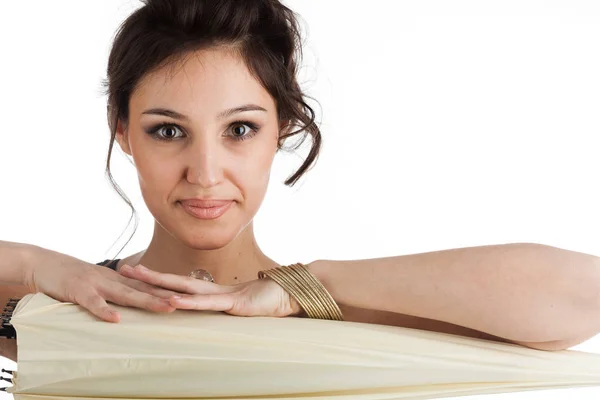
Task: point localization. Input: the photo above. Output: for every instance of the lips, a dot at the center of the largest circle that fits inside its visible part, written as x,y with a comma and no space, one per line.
205,203
216,209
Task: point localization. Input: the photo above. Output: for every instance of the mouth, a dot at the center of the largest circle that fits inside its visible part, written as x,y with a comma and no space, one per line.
205,203
209,209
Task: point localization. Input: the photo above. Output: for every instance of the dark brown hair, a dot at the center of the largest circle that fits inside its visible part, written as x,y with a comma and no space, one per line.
265,33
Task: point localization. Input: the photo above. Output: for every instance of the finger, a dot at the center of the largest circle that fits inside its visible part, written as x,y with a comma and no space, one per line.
212,302
145,287
178,283
129,297
150,289
94,303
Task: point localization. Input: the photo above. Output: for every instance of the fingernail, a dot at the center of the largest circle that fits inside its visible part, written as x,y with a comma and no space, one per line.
142,268
175,297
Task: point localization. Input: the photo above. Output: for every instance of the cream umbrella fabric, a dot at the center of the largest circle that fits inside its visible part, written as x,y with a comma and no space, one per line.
64,352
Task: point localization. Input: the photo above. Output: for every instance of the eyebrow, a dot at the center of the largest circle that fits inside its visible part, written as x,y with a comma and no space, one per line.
223,114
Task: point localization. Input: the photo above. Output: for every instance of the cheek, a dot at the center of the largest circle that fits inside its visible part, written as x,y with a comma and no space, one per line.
256,171
156,176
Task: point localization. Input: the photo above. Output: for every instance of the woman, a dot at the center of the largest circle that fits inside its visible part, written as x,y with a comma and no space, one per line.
202,95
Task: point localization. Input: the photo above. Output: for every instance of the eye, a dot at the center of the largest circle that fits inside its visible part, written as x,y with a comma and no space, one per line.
170,131
242,130
238,130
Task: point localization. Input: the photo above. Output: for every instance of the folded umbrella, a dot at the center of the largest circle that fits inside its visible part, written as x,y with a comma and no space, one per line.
64,352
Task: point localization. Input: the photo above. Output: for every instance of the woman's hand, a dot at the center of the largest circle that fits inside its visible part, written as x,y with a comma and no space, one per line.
70,279
261,297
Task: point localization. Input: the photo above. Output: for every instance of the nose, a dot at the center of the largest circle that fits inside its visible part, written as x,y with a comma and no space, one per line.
204,163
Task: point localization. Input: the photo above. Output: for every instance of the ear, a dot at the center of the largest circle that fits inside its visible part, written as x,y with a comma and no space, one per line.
122,137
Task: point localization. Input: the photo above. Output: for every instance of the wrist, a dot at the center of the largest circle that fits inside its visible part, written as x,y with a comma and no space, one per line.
305,290
297,310
328,272
316,268
320,269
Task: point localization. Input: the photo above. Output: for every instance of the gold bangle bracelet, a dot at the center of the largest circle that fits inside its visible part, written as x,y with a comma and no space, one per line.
299,291
306,289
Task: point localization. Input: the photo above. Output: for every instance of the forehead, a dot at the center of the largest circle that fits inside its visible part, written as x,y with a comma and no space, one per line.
205,81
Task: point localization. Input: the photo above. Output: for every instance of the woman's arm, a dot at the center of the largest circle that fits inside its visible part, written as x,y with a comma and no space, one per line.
14,258
13,261
525,293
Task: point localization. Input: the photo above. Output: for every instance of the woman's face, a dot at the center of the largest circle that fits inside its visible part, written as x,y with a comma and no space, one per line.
185,145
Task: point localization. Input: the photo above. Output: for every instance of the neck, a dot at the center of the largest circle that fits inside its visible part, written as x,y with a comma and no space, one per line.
237,262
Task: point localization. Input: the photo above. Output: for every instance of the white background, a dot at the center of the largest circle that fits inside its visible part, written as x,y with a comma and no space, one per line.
446,124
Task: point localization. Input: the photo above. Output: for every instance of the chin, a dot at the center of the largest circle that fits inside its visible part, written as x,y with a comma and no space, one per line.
202,235
206,238
205,243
